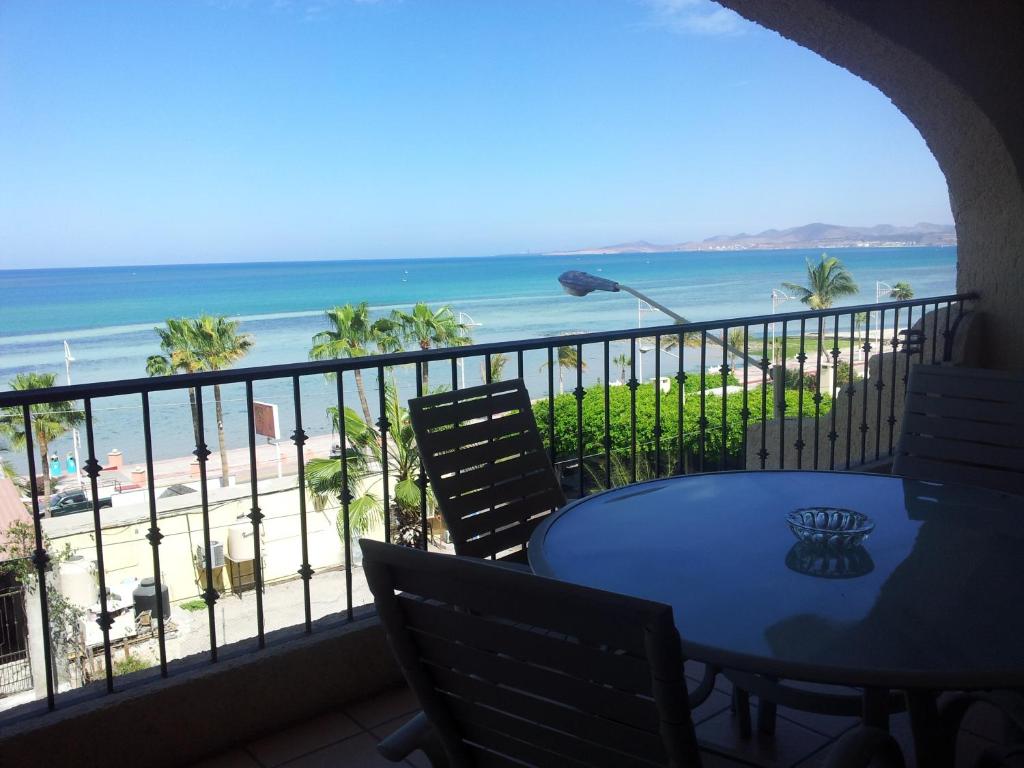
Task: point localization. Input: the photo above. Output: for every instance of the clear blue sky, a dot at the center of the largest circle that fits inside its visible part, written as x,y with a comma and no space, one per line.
234,130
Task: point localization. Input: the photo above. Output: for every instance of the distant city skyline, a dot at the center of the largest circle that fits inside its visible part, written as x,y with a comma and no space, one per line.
248,130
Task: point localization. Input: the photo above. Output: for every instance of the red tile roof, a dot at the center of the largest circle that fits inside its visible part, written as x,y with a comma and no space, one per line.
11,508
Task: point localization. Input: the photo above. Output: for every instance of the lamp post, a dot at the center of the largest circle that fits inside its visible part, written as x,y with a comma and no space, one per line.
778,297
578,283
465,319
75,439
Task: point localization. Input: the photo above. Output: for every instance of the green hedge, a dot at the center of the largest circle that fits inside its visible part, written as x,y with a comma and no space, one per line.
619,418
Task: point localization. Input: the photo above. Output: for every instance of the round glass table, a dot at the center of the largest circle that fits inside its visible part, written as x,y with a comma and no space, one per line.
933,600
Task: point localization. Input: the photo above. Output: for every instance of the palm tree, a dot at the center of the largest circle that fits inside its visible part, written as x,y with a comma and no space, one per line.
901,291
735,340
351,334
567,359
431,328
179,356
49,420
192,345
498,363
220,346
622,362
363,456
827,281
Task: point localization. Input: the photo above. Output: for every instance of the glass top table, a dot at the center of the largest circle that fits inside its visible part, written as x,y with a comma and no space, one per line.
935,599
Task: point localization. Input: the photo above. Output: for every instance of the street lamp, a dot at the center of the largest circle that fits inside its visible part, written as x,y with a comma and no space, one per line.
578,283
778,297
75,439
465,320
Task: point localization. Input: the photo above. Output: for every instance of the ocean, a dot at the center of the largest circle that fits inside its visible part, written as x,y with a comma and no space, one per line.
107,314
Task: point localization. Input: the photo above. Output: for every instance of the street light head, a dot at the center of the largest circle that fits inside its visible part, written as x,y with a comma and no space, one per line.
578,283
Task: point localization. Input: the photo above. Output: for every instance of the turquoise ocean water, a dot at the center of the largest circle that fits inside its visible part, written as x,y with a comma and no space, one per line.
107,314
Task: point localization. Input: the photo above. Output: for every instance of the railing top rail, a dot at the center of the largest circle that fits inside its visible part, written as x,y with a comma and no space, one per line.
315,367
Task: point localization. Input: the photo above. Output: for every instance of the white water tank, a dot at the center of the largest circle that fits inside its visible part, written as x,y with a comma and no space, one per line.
76,581
241,542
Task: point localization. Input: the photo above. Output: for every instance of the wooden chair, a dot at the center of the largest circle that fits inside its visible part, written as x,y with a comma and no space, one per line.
514,669
963,425
484,458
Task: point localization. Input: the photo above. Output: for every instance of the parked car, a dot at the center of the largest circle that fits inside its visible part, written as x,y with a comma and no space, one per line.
67,502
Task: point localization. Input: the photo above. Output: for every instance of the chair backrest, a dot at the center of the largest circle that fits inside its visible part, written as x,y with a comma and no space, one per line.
514,669
963,425
486,463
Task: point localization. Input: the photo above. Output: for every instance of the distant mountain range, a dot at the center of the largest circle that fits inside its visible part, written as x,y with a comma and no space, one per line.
808,236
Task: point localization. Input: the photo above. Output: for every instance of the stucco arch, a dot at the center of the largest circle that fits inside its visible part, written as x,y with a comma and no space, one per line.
956,70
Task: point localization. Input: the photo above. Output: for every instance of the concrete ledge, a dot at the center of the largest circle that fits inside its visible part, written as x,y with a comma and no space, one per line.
207,708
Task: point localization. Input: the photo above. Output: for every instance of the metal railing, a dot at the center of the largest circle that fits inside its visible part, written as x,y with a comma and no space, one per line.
698,414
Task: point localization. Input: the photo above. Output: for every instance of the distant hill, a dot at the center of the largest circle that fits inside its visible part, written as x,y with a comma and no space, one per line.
815,235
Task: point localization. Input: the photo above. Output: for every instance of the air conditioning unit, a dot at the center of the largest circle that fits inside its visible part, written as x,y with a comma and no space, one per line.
216,555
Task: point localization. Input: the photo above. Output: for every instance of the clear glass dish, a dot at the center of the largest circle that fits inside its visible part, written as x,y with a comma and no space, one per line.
831,527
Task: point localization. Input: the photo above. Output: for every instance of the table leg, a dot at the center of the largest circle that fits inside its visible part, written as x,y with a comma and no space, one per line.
924,724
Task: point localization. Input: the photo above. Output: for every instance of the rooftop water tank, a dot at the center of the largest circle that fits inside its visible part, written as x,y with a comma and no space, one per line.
76,581
241,542
144,597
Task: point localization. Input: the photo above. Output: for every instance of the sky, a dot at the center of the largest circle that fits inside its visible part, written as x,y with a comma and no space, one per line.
183,131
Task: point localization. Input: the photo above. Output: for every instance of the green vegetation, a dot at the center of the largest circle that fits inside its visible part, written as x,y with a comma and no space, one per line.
565,422
195,344
193,605
901,291
827,281
49,420
362,455
430,328
566,360
130,664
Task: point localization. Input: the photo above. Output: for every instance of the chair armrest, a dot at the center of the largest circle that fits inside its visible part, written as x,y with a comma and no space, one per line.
863,747
402,742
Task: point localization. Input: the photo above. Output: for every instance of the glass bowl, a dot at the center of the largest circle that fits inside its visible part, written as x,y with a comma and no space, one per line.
826,563
830,527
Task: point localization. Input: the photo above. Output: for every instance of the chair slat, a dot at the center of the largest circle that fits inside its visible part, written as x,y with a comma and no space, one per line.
617,736
501,447
624,672
478,432
501,540
529,754
963,425
458,409
482,495
515,511
961,429
551,740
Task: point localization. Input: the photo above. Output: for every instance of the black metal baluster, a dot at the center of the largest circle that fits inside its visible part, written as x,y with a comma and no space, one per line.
781,399
947,347
519,362
487,368
255,517
935,332
632,408
681,397
40,557
850,393
299,437
703,422
725,396
551,406
607,412
745,412
866,346
924,333
817,392
384,424
657,406
880,384
833,434
92,469
895,344
801,359
765,368
421,477
346,493
153,536
202,453
579,392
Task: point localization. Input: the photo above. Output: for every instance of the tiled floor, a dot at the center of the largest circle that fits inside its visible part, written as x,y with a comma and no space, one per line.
347,738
